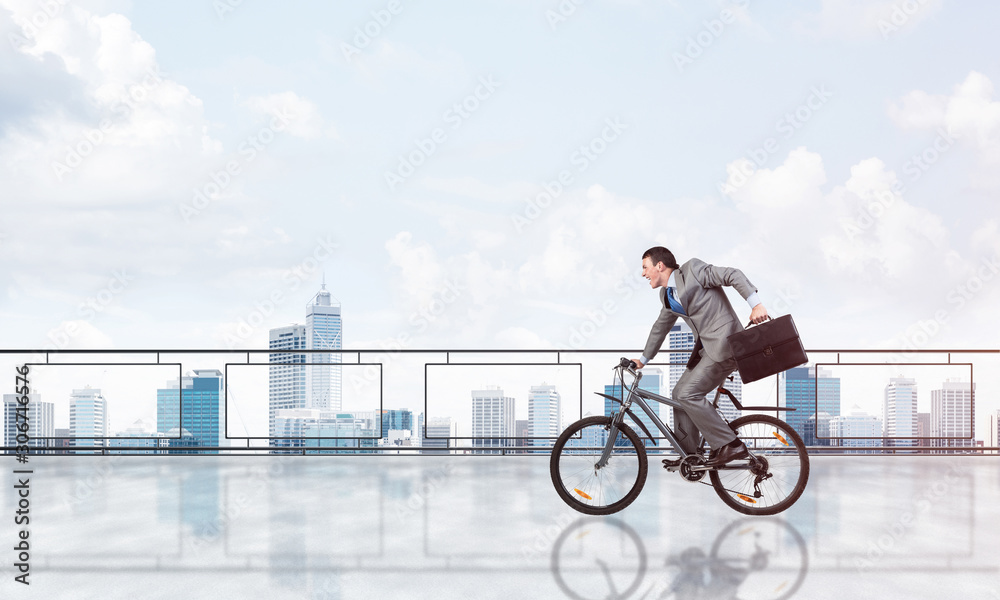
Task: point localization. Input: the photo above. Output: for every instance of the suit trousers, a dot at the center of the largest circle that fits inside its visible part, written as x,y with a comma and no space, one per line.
699,415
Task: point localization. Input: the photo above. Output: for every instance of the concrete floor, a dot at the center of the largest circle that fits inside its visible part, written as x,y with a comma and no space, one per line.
491,527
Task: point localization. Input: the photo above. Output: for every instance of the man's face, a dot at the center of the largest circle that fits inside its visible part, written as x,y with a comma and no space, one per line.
657,275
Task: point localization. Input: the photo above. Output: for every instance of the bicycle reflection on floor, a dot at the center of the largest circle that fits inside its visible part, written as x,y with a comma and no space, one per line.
750,559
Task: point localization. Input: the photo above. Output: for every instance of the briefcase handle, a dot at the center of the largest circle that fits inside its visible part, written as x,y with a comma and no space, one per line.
751,323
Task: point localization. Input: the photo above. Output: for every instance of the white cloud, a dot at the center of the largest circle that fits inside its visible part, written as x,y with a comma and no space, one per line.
866,18
304,118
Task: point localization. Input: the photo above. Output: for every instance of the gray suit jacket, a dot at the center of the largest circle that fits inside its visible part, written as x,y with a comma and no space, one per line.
709,313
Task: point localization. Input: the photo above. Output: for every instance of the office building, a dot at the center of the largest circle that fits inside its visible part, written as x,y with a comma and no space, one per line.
286,374
396,420
88,417
953,407
652,379
140,437
544,415
856,424
306,379
305,427
191,411
899,412
324,332
40,419
809,392
492,418
681,342
439,430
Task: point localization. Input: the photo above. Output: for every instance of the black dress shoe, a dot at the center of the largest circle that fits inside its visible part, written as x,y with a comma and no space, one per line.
728,453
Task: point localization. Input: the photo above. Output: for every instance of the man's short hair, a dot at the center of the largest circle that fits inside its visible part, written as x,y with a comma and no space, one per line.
659,254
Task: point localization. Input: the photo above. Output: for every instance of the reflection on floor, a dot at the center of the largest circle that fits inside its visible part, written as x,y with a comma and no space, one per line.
492,527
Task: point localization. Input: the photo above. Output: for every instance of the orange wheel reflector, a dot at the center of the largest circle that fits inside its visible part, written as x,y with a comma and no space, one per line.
582,493
781,587
780,438
745,498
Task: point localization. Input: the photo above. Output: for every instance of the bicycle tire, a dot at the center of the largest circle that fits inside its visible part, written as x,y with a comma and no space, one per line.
584,491
788,465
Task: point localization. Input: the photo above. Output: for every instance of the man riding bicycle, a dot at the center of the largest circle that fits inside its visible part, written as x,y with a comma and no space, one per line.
693,291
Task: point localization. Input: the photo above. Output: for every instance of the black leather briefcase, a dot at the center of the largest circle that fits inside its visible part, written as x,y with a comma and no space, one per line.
771,347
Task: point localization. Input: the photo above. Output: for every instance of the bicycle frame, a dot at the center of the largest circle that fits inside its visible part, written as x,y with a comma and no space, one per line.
636,395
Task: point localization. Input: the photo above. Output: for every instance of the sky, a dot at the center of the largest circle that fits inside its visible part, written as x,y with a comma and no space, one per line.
487,175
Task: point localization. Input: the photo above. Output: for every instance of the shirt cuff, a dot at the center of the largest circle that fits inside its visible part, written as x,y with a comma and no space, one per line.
753,300
643,360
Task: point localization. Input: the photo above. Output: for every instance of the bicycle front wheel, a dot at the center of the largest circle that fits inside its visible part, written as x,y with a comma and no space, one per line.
775,479
574,471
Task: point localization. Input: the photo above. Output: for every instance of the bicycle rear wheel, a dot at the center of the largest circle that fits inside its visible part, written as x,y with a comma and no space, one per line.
776,479
578,481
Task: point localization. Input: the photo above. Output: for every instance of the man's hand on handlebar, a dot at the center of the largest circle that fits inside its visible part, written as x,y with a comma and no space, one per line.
637,364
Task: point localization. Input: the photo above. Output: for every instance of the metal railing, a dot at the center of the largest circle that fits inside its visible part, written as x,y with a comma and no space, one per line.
369,356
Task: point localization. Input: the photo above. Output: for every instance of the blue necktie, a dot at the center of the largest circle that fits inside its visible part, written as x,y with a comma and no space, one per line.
674,304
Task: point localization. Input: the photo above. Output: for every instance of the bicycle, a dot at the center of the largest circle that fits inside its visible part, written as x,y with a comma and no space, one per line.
599,465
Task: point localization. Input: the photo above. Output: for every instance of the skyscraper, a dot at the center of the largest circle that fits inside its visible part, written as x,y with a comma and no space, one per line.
856,424
41,423
802,384
310,379
652,379
492,418
681,343
952,410
286,375
899,412
323,332
88,417
544,414
199,422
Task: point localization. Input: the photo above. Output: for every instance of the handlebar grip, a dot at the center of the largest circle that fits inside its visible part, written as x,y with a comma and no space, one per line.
625,363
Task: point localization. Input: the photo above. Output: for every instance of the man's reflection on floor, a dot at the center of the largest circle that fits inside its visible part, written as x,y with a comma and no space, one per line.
750,558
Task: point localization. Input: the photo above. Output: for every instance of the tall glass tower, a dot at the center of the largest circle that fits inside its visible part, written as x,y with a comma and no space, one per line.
40,420
199,422
544,414
805,390
899,411
88,416
652,379
324,332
